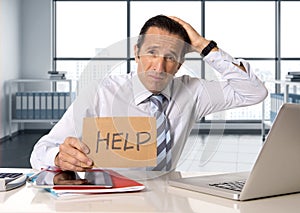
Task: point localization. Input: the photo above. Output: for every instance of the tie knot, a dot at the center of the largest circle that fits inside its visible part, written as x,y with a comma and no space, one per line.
159,101
157,98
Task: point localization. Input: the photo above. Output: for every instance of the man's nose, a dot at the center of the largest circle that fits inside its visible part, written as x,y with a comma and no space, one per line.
158,64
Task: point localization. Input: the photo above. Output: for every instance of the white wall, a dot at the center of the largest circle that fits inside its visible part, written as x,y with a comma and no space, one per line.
25,46
36,44
10,53
36,38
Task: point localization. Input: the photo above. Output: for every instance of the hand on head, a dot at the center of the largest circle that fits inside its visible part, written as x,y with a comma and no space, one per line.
198,42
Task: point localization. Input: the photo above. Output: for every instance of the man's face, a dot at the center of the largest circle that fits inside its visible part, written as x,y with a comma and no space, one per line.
159,58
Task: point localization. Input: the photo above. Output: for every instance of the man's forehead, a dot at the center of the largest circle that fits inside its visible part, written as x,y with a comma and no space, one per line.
163,41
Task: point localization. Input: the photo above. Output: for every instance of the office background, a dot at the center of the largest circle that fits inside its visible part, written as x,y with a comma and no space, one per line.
42,35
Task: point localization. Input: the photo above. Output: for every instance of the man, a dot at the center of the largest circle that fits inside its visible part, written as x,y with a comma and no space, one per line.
159,54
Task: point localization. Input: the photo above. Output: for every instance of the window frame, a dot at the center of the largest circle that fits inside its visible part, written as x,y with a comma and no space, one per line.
277,59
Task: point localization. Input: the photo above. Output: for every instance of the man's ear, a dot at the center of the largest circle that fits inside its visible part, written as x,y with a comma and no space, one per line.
136,52
180,63
178,67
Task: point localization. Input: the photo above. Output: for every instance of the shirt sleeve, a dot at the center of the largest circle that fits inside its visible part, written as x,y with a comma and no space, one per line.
237,87
225,65
70,125
47,147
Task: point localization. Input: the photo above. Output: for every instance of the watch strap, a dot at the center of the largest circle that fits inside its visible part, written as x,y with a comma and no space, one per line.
212,44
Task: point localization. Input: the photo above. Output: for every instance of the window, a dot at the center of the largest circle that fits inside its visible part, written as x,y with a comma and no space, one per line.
83,28
141,11
89,34
242,28
290,37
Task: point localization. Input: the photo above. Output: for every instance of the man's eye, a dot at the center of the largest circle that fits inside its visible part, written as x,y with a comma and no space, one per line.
151,52
170,58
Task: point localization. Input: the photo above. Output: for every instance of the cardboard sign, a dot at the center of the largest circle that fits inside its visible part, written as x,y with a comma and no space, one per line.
121,141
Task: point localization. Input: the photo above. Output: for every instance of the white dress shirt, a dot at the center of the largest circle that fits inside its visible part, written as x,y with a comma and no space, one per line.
124,95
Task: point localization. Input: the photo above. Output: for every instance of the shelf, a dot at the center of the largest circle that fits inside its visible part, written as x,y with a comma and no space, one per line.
37,100
268,123
286,98
34,120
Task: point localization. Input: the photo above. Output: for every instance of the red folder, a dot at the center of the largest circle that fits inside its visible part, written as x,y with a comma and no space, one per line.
120,181
120,184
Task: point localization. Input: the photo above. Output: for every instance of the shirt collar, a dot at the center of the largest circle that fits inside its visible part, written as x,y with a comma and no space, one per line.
140,92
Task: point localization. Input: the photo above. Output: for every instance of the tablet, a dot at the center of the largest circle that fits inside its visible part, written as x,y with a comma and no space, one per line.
91,179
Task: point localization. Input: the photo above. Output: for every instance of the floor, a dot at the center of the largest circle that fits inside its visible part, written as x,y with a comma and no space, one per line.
15,153
220,153
225,153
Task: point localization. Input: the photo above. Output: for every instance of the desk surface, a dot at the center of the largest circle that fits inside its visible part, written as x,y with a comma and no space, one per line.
158,197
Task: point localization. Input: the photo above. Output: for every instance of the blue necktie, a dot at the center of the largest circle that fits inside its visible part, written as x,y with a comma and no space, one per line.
164,143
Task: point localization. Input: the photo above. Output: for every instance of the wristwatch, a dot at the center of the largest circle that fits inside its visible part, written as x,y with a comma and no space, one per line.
212,44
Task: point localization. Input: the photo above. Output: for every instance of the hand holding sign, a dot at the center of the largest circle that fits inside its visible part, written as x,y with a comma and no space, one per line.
121,141
73,155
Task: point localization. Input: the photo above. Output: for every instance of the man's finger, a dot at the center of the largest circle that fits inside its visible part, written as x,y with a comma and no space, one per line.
73,156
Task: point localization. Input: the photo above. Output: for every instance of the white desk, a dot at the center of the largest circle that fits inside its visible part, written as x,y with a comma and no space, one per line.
159,197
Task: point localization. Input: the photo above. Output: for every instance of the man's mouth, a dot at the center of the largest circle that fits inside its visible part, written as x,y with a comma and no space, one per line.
157,77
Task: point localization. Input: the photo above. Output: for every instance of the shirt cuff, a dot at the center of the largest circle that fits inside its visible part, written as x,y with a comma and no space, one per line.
222,62
51,154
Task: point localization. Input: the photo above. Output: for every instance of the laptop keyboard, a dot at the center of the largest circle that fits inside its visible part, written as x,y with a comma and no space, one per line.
232,185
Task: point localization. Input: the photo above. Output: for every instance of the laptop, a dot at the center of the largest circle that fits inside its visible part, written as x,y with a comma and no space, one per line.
275,172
